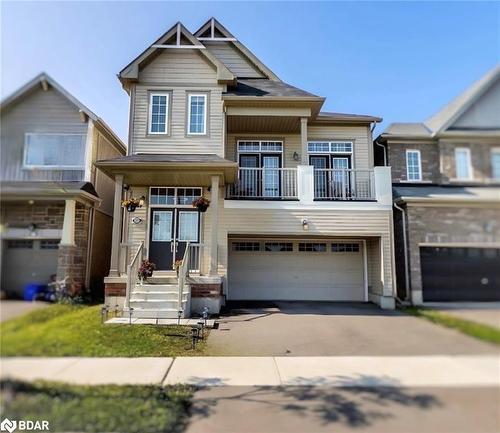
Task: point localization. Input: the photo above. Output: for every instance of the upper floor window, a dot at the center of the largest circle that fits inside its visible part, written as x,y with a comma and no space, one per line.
54,151
197,116
495,163
329,147
463,163
158,113
413,165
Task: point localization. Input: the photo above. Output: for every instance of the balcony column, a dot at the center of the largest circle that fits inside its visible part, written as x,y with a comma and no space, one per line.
68,230
303,140
214,225
116,234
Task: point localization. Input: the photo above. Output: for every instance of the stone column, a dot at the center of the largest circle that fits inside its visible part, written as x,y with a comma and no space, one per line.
214,225
115,241
303,140
68,230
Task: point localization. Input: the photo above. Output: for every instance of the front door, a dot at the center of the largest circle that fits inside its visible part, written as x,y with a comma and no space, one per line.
171,230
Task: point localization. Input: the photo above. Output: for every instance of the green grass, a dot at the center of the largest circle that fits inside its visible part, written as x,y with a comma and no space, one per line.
68,330
109,408
476,330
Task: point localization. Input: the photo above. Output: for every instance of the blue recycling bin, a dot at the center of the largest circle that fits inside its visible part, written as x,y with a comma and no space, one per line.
31,291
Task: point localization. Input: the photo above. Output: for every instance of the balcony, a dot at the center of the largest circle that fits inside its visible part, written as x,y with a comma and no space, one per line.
306,186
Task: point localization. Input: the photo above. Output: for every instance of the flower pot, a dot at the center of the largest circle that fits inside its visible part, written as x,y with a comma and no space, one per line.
131,207
202,207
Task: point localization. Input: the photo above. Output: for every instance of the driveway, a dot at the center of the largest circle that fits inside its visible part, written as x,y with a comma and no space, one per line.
333,329
12,309
486,313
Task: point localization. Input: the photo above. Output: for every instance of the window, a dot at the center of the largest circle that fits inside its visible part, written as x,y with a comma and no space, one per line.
51,244
197,116
260,146
187,195
162,196
495,163
329,147
158,113
246,246
61,151
345,248
312,247
462,163
162,226
174,196
278,246
21,243
188,226
413,165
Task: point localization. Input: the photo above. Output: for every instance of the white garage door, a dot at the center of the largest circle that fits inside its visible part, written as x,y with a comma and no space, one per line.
295,270
28,261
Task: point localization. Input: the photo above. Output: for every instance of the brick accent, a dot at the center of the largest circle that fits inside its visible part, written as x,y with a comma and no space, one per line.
429,155
46,215
115,289
206,290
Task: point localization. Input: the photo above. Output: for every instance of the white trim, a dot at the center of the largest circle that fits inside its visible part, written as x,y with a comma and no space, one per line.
205,117
260,150
347,205
51,167
469,163
365,269
174,204
150,112
408,151
330,143
494,151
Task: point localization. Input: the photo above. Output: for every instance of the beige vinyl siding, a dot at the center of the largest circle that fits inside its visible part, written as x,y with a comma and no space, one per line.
177,72
39,112
235,61
375,284
291,144
360,135
137,233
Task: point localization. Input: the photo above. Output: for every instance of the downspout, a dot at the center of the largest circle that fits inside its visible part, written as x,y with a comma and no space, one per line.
405,247
385,150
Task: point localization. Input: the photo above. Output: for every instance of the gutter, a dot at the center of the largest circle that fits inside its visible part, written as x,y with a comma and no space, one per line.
405,247
383,147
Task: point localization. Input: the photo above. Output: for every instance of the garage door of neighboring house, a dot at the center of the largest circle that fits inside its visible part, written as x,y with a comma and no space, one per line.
296,270
28,261
460,274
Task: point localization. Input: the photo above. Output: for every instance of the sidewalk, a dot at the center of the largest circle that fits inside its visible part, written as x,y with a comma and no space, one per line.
341,371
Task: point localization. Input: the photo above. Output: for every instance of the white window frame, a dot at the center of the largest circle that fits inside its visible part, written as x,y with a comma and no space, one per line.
150,113
469,163
259,150
330,145
205,117
52,167
494,151
408,151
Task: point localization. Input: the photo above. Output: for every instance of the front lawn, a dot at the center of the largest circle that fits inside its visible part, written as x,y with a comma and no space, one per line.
476,330
66,330
109,408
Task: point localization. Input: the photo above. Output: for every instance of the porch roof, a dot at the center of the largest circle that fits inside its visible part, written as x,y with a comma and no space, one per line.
48,190
171,169
446,194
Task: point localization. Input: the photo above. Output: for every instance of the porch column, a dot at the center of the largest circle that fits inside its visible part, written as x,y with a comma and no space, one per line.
115,241
303,140
214,225
68,230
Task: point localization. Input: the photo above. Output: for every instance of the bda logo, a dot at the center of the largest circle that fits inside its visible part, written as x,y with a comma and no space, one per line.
8,425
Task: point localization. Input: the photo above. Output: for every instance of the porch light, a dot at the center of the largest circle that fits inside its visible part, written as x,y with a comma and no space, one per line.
296,156
142,200
305,224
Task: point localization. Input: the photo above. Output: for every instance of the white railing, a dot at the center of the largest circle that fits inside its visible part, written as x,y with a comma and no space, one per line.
123,258
133,273
264,183
195,258
344,184
183,273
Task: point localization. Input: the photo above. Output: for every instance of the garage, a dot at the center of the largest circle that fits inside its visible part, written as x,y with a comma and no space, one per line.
28,261
313,270
460,274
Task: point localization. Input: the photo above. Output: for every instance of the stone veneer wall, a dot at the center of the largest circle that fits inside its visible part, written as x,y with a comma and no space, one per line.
46,215
429,155
447,224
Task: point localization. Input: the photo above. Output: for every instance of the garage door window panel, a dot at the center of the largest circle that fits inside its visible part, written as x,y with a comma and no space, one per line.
246,246
312,247
278,246
345,248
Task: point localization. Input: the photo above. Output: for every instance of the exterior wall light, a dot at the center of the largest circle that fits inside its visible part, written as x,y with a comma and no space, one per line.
305,224
142,201
296,156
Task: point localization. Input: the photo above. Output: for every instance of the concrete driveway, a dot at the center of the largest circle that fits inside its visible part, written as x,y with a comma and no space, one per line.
12,309
486,313
333,329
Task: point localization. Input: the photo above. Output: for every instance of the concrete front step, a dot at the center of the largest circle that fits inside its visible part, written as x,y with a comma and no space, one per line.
154,304
162,279
155,312
139,295
156,287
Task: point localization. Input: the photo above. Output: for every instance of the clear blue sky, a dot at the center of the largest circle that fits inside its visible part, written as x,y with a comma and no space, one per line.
398,60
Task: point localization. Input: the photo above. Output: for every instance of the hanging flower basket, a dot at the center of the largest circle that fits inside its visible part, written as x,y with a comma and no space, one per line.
131,204
201,203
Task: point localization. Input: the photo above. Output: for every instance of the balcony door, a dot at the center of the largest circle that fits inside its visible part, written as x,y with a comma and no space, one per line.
334,183
260,175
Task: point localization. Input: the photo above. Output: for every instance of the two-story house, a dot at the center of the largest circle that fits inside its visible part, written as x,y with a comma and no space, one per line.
446,175
297,210
56,207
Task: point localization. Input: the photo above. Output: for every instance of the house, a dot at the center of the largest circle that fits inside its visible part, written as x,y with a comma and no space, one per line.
446,177
56,207
297,210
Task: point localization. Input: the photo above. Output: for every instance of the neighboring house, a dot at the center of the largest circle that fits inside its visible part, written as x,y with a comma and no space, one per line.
56,207
446,178
297,210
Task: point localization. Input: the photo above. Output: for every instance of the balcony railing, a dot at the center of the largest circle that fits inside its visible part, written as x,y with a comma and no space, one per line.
265,183
344,184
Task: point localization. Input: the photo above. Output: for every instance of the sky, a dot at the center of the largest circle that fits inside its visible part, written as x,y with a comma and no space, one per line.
402,61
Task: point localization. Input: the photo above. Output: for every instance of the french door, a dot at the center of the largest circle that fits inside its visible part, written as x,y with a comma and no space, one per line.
260,176
171,230
333,183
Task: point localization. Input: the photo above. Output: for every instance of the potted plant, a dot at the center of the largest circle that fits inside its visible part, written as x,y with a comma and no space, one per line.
177,266
146,269
201,203
131,204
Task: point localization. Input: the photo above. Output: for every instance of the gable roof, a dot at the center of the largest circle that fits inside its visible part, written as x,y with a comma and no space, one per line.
213,30
43,80
263,87
183,40
445,117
